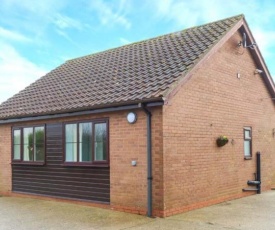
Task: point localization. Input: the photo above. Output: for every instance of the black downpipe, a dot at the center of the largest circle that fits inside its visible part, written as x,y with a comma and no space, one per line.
149,161
258,173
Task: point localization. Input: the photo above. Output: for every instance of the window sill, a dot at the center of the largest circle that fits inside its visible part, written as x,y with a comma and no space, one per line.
28,163
102,165
247,158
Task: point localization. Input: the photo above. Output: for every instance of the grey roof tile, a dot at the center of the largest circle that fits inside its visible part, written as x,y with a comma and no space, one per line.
140,71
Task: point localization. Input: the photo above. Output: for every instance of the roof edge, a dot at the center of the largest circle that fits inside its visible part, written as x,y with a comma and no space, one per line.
187,75
110,108
260,62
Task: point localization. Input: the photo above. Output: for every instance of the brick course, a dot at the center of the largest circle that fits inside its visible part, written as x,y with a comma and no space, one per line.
5,159
215,102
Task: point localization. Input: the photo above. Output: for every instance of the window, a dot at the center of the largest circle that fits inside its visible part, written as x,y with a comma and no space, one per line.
247,142
29,144
86,142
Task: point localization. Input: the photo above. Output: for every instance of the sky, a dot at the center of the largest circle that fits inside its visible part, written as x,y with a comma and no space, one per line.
37,36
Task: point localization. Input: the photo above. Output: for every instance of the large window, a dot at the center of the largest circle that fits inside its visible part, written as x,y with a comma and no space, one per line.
29,144
247,142
86,142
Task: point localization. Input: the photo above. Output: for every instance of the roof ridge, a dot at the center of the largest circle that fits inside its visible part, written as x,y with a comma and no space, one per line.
209,23
154,38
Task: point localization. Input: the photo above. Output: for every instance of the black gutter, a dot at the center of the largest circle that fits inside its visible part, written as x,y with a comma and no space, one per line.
149,159
79,113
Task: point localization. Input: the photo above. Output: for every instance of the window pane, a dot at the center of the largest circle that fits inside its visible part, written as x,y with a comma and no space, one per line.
85,142
16,144
71,133
39,152
100,142
28,144
16,137
71,143
247,150
247,134
71,152
16,152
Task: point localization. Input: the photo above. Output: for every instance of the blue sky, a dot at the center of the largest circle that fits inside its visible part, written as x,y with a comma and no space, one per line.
37,36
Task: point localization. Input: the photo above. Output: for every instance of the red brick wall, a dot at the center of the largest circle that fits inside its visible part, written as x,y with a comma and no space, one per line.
5,159
127,143
215,102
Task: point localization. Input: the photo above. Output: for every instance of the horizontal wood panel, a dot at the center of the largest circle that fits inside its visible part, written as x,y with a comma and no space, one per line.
66,189
96,186
64,177
56,193
54,179
72,170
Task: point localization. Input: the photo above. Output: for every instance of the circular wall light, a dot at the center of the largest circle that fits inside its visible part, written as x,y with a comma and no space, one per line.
131,117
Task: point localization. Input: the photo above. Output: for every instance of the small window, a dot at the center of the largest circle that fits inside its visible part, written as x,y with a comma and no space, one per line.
71,143
17,144
29,144
86,143
247,142
100,142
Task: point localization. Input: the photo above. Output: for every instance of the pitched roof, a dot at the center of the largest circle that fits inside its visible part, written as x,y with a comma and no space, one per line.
138,72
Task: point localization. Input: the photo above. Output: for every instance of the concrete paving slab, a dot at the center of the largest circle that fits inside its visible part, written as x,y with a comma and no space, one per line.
253,212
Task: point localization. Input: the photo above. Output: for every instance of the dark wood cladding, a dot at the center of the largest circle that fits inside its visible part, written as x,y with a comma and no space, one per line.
54,179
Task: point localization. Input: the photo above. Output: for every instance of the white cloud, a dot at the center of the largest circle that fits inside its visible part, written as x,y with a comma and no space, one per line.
16,72
108,16
124,41
177,11
187,14
30,16
42,8
67,37
64,22
265,40
11,35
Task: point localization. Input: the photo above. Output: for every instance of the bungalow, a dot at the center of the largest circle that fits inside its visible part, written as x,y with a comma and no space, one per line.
136,127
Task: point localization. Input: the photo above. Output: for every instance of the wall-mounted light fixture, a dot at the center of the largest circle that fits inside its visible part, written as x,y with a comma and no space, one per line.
131,117
258,71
